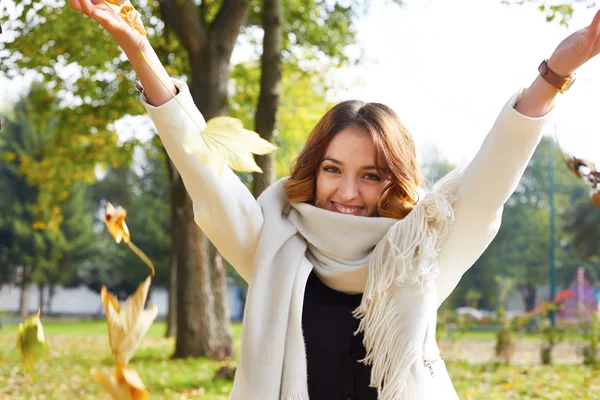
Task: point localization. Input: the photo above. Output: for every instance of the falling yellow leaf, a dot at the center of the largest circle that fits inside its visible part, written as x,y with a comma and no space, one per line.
128,324
114,218
31,342
125,10
224,141
122,384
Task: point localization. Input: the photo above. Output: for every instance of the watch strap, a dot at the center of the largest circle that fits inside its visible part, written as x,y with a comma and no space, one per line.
562,83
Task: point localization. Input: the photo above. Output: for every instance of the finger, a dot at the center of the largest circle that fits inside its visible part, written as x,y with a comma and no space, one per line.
74,4
104,18
595,25
86,7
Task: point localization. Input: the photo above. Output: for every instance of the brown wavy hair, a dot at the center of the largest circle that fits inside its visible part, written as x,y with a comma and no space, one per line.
394,148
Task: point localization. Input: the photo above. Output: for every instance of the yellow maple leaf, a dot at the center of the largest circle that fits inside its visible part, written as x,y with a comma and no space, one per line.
122,384
114,218
128,324
31,342
125,10
224,141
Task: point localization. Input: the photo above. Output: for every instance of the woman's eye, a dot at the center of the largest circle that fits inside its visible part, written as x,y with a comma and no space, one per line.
372,177
332,169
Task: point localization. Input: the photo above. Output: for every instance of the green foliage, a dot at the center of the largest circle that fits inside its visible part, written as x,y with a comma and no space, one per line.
591,346
303,102
472,298
30,236
582,222
82,67
144,193
520,250
553,11
505,343
452,326
80,63
551,334
315,30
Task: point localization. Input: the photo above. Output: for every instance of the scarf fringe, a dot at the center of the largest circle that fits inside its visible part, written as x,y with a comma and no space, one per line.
407,255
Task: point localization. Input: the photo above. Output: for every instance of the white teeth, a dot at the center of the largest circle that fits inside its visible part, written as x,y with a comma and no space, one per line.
346,210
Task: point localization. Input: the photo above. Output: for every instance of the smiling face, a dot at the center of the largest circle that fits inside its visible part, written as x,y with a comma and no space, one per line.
348,180
339,168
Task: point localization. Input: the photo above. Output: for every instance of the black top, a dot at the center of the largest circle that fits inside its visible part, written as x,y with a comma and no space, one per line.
332,350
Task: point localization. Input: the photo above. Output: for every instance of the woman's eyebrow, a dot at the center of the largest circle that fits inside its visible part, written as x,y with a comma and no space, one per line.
333,160
364,167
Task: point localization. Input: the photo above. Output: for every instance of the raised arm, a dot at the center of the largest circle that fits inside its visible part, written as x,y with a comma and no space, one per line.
223,207
494,173
486,184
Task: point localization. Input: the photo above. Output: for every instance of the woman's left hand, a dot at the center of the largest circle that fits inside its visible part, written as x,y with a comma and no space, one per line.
577,49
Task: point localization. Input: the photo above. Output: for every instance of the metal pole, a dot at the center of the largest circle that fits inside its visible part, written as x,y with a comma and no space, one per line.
551,248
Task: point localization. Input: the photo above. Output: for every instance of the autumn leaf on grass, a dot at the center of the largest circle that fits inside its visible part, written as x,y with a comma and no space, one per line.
128,324
125,10
31,342
122,384
224,141
114,218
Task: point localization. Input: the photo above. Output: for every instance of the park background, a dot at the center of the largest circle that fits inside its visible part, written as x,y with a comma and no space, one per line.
75,136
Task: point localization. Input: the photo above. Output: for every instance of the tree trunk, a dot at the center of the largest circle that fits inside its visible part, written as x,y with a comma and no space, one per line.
270,91
51,293
172,306
41,297
172,310
528,292
200,316
24,312
222,325
199,330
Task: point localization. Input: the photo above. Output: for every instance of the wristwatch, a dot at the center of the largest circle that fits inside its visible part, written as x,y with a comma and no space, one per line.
562,83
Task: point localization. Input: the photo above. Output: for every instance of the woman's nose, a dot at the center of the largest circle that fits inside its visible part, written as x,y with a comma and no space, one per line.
348,189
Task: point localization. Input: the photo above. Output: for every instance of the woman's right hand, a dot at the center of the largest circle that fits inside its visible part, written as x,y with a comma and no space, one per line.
158,87
127,37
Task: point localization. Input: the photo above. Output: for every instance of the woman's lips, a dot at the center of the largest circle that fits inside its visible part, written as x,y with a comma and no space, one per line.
345,209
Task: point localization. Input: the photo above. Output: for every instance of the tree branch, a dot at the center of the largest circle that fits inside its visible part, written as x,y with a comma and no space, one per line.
230,18
182,16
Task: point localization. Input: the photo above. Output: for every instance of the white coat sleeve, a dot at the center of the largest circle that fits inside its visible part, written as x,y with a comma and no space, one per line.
487,183
224,208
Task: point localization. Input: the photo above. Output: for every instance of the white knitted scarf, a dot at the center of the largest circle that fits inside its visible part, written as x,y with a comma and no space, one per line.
392,262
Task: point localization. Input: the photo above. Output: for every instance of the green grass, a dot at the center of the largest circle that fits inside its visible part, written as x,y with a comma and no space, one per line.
500,382
77,347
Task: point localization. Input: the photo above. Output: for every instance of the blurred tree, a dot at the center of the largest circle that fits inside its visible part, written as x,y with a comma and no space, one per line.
76,249
96,87
582,221
520,250
303,102
143,190
38,254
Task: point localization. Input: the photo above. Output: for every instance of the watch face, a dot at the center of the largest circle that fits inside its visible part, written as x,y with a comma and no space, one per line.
569,84
543,68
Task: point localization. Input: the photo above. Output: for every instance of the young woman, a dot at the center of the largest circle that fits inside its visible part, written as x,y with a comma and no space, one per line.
350,242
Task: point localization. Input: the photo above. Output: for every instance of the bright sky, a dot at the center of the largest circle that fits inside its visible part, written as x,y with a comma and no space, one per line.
448,67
